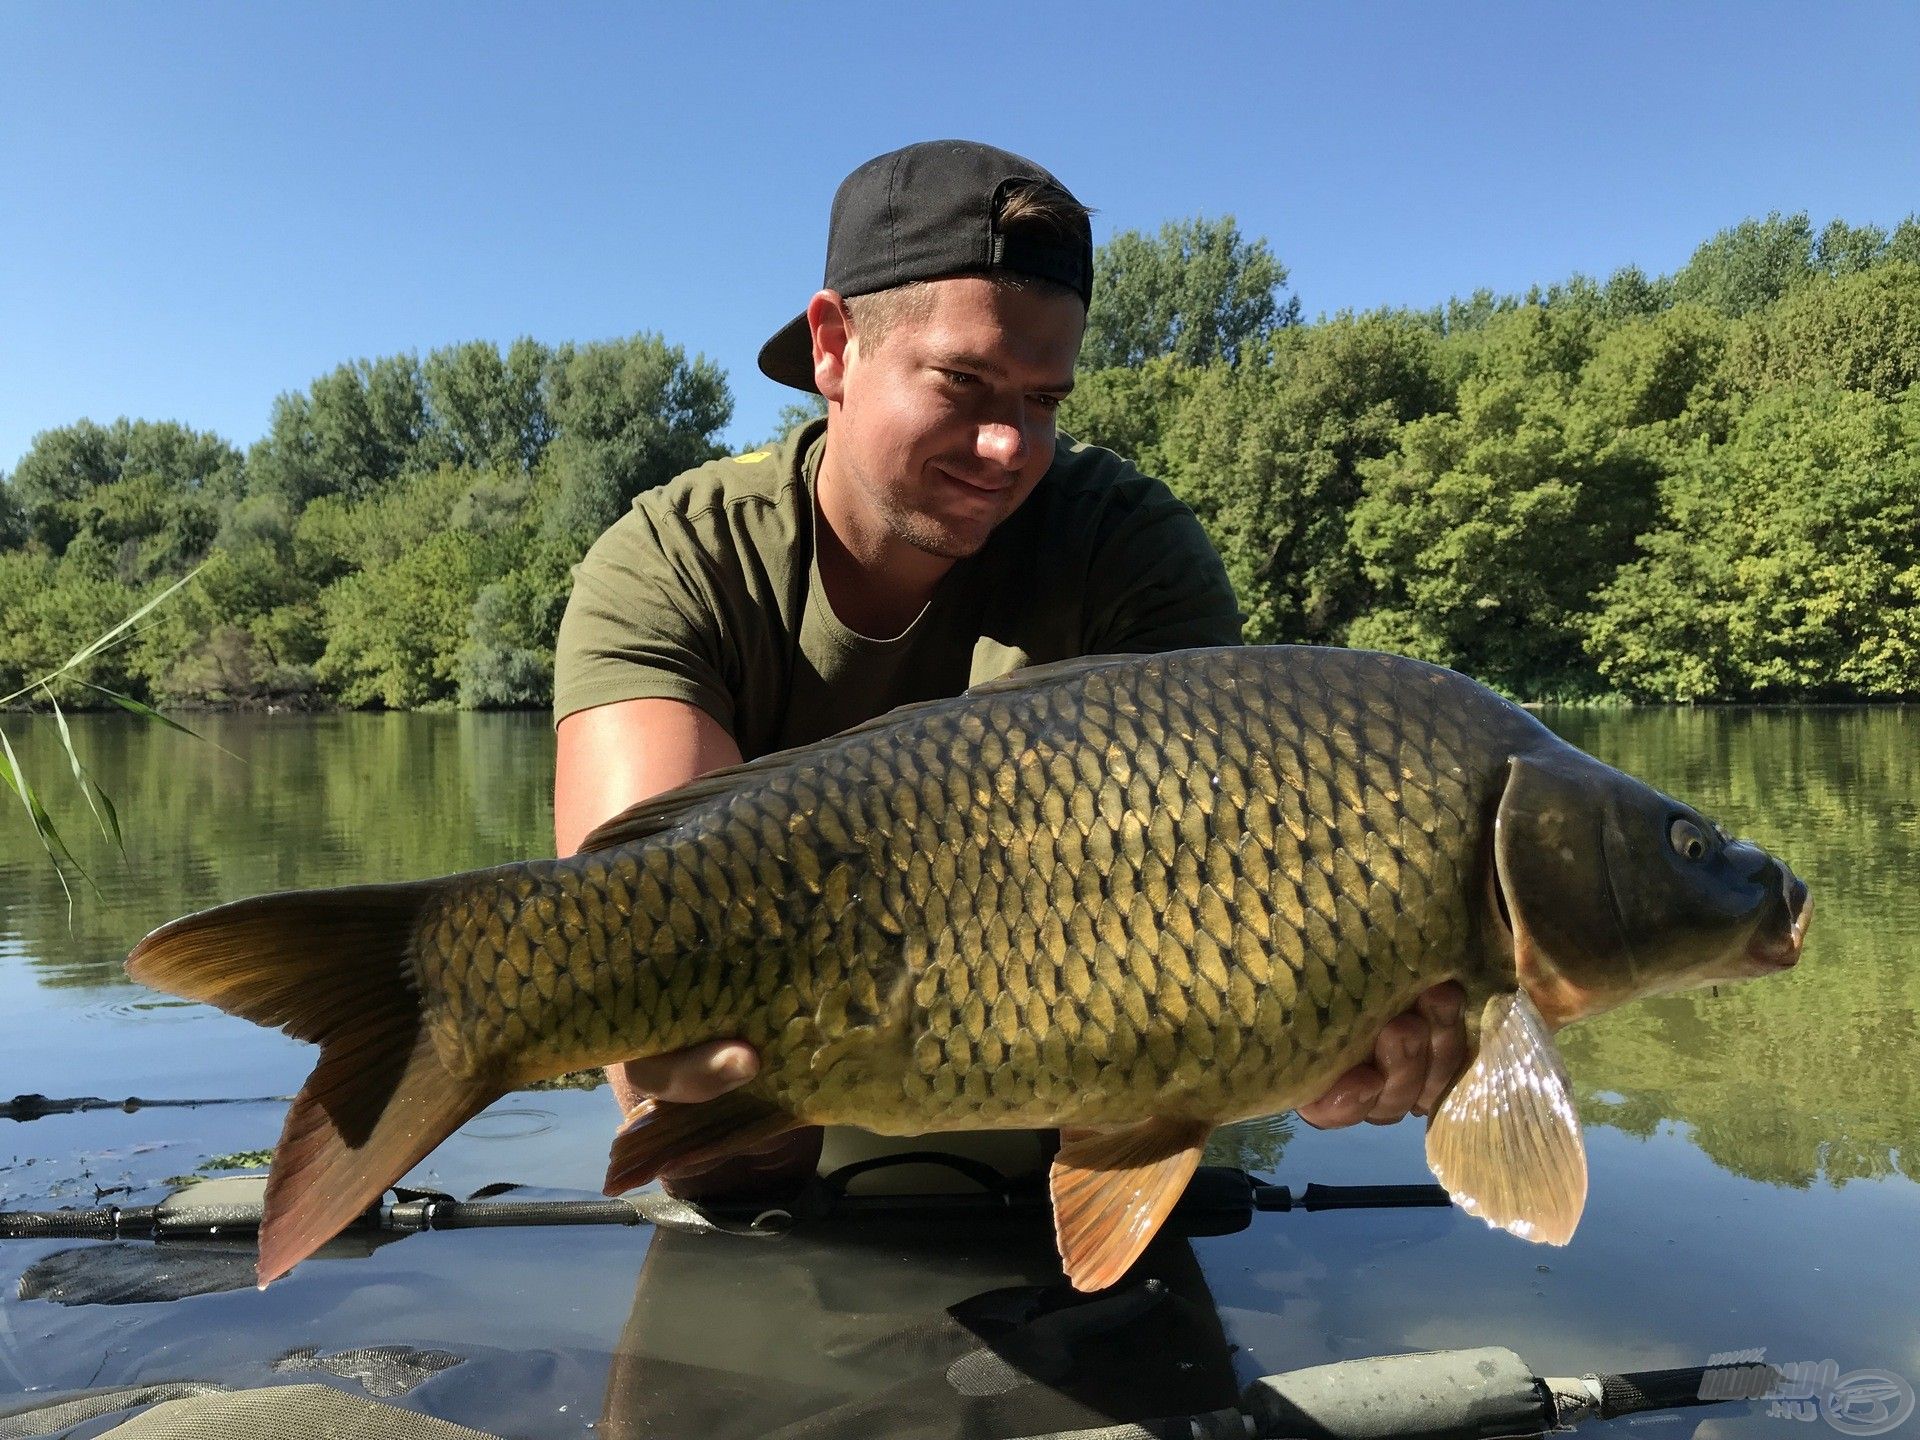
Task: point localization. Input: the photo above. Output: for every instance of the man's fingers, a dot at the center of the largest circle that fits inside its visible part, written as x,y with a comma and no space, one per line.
1401,1053
701,1072
1347,1100
1445,1009
1416,1057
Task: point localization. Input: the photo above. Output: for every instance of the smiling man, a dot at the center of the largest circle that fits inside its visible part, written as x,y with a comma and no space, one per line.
932,532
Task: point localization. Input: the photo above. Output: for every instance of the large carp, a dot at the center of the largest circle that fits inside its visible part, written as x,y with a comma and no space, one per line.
1142,895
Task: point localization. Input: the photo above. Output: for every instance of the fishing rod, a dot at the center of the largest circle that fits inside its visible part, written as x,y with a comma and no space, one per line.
1440,1395
33,1107
1219,1201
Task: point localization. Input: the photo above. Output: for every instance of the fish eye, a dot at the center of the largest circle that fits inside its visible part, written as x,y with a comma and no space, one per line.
1687,839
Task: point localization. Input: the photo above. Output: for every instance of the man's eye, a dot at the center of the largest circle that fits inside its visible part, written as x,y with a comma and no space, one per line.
1047,402
957,377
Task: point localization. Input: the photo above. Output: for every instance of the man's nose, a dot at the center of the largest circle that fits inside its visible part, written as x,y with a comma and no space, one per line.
1003,443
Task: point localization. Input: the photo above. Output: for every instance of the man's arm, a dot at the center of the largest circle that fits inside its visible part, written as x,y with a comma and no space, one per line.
607,759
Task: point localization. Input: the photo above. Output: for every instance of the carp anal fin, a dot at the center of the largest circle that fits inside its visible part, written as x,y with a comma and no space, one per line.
333,967
1112,1191
1506,1142
665,1137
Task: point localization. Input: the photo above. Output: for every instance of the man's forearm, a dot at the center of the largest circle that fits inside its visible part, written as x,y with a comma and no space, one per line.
609,759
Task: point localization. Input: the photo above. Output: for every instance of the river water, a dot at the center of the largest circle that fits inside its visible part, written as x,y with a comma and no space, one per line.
1753,1150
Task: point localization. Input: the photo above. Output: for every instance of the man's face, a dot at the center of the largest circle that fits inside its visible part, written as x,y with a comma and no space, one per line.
946,425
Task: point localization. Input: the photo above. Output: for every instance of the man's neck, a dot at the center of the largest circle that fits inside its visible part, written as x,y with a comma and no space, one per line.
876,582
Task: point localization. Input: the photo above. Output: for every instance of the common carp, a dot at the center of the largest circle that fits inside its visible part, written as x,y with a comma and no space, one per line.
1136,896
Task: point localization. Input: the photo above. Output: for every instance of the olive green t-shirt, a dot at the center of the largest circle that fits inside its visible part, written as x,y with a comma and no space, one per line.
707,591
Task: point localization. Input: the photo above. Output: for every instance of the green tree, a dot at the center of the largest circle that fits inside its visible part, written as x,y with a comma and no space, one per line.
1860,332
792,417
1904,243
490,409
1489,528
1667,369
1630,293
508,657
13,516
49,609
246,631
1196,292
395,630
1750,265
352,432
631,414
1788,560
1127,408
1843,249
175,474
1270,455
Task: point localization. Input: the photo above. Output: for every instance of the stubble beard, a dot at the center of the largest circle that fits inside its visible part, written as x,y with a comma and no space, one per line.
932,538
928,534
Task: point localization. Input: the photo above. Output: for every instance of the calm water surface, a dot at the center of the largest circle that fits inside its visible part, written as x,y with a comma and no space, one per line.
1753,1150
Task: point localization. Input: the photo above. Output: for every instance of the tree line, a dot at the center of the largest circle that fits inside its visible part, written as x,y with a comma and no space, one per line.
1698,486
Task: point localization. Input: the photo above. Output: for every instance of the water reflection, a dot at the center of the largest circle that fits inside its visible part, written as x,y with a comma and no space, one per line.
1808,1076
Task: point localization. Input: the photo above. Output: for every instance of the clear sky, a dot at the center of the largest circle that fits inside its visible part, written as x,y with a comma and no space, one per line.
204,205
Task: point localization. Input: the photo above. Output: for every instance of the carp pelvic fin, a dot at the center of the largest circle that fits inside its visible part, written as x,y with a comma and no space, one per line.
1112,1191
664,1137
333,967
1506,1142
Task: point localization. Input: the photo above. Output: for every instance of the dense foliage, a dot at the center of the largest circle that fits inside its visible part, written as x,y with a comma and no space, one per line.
1697,486
401,536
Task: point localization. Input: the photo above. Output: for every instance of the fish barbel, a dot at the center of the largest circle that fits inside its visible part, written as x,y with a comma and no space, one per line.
1141,895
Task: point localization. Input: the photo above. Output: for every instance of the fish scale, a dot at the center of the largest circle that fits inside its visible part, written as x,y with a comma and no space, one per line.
1043,862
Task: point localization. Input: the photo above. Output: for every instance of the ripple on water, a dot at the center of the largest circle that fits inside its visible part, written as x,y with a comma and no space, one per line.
514,1124
147,1009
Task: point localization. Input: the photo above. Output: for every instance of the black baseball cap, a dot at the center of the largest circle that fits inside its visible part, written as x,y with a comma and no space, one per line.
922,213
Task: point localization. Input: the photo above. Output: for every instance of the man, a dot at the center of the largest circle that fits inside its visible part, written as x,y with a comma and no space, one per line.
931,533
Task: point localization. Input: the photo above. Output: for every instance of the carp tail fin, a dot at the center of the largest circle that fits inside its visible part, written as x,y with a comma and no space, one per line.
334,967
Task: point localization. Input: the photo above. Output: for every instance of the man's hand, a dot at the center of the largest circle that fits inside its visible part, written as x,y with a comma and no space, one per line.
704,1072
1415,1059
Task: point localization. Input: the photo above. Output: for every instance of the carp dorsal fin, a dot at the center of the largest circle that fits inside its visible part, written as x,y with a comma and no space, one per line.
1506,1142
1112,1190
1031,676
662,812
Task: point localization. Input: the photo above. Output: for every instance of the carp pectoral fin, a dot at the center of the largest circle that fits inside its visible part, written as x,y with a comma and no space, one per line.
663,1137
1506,1142
1112,1190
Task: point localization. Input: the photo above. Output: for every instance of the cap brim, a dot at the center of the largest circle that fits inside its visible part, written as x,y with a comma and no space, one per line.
788,356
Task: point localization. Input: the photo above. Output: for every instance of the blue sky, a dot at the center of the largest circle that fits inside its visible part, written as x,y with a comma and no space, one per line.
204,205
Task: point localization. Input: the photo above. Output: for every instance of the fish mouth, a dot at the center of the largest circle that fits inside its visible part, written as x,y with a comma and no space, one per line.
1776,945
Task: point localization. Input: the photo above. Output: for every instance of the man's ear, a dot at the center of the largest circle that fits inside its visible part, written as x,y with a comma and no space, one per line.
833,343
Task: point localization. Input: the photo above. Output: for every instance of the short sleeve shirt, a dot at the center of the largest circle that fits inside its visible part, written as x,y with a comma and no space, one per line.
708,591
